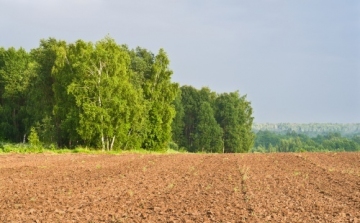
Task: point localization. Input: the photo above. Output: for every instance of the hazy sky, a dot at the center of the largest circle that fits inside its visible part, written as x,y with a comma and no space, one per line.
297,61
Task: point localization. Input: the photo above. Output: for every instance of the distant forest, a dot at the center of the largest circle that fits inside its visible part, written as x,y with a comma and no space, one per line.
106,96
313,137
310,129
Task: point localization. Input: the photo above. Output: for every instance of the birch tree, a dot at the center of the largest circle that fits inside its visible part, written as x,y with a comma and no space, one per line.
160,93
108,103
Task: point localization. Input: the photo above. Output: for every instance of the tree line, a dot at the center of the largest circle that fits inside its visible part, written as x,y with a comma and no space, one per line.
268,141
209,122
104,95
309,129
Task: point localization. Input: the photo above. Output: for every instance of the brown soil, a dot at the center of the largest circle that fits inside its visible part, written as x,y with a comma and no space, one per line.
307,187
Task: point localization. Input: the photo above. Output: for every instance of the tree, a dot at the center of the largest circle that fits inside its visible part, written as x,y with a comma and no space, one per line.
177,125
41,96
16,71
234,114
34,138
159,92
106,96
109,106
208,133
190,101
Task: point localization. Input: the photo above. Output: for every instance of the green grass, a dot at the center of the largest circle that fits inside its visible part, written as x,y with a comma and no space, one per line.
22,148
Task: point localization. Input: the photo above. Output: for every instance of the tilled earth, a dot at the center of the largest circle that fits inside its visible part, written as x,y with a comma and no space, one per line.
306,187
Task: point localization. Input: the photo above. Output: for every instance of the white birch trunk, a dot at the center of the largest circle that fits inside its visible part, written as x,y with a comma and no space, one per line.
107,144
102,141
112,143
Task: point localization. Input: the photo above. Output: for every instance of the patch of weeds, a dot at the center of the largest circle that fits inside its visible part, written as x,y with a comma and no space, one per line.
37,147
18,206
244,171
81,150
236,189
171,186
98,166
131,193
306,176
151,162
116,220
171,151
297,173
243,188
21,148
350,171
247,199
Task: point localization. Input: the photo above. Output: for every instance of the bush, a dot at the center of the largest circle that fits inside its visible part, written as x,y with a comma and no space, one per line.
173,146
34,138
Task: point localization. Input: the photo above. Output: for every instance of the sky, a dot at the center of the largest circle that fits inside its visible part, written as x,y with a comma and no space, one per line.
297,61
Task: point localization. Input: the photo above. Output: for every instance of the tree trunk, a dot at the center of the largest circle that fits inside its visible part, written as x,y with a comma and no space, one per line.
127,141
112,143
102,142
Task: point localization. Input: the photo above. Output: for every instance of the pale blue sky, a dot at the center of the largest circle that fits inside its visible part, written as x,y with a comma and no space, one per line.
298,61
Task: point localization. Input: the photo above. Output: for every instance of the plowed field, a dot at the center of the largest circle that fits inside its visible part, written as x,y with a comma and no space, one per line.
307,187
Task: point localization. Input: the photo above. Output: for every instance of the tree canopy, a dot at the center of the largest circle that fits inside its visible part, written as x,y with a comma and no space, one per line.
268,141
104,95
213,122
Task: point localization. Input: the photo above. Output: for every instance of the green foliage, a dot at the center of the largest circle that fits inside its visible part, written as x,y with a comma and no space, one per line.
208,133
267,141
309,129
41,97
213,123
34,138
21,148
178,124
234,114
190,104
16,71
104,96
173,146
160,93
108,104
